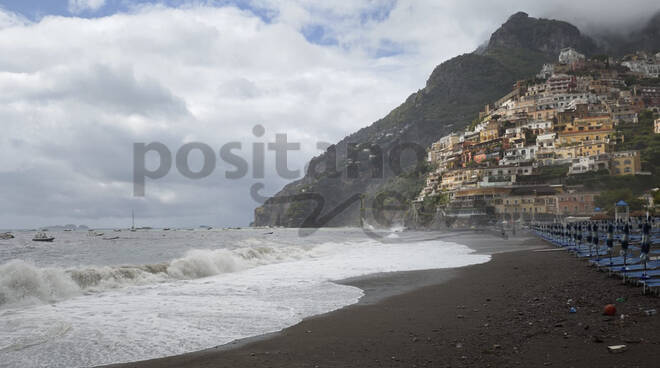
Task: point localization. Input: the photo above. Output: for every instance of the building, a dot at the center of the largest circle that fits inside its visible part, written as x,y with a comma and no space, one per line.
656,126
528,202
546,71
588,130
625,163
648,68
520,155
591,148
490,132
563,101
575,203
581,165
570,56
561,83
622,114
546,140
500,176
601,136
457,179
442,148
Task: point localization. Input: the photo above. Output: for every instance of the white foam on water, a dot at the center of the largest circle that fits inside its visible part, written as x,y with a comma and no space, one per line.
204,299
22,283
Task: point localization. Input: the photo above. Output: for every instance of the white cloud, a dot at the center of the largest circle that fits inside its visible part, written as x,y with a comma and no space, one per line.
77,93
80,92
79,6
10,19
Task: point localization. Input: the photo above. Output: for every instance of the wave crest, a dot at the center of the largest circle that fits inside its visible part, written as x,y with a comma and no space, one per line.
24,283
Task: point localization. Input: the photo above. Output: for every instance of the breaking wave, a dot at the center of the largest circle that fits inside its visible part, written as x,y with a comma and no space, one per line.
23,283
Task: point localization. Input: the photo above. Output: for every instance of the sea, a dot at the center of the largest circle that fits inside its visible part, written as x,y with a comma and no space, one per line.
86,299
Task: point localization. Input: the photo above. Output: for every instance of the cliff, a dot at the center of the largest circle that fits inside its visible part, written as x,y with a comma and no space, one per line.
453,95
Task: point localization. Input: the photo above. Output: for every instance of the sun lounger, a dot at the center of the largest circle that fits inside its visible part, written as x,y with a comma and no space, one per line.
641,273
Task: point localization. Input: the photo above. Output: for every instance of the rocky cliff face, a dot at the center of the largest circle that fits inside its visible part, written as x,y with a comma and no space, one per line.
645,39
542,35
454,94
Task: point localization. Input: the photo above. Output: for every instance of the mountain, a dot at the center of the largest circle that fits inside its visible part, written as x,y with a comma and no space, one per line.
542,35
453,95
645,39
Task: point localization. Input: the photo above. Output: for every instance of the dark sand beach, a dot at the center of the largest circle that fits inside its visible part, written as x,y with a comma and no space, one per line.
511,311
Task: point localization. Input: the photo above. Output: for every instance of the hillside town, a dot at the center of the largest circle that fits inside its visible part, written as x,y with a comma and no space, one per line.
567,121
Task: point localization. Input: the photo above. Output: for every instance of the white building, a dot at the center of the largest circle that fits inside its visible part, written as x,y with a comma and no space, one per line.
644,67
546,71
514,156
580,165
562,101
570,56
546,140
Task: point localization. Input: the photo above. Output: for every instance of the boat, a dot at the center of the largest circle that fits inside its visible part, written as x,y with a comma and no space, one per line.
133,221
94,233
111,238
6,236
42,237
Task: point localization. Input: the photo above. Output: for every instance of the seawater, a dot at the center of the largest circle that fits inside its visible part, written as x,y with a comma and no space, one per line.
84,301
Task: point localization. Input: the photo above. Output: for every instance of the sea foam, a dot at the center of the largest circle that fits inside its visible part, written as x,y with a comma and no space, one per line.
205,298
22,283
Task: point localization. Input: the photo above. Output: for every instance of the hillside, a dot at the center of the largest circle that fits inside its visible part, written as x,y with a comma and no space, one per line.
453,96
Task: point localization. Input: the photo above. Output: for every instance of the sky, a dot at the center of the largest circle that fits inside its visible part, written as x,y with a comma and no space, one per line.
83,81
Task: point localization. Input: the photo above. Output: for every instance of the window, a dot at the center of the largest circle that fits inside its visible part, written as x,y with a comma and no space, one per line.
627,169
626,162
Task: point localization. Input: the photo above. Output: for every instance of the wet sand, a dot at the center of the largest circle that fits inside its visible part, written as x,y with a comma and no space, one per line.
511,311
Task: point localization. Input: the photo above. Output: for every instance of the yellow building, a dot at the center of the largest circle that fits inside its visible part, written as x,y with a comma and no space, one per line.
589,124
456,179
595,129
566,152
590,149
626,163
490,132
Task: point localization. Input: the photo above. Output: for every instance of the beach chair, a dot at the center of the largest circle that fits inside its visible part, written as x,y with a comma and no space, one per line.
637,275
651,284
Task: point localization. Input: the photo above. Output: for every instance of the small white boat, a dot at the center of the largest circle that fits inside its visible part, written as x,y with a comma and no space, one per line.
6,236
42,237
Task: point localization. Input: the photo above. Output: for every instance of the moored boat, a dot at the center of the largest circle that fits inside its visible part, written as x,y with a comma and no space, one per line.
42,237
6,236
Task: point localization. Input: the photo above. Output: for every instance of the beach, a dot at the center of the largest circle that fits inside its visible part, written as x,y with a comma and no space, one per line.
511,311
83,301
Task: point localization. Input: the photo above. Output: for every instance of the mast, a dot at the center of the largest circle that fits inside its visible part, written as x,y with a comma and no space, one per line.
132,220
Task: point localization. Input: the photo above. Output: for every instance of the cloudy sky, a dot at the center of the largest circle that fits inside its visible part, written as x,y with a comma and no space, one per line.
81,81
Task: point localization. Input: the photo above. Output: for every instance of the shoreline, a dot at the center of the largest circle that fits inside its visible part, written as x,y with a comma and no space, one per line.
381,286
510,311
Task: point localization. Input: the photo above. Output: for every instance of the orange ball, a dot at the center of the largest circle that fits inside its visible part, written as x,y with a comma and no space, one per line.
609,310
